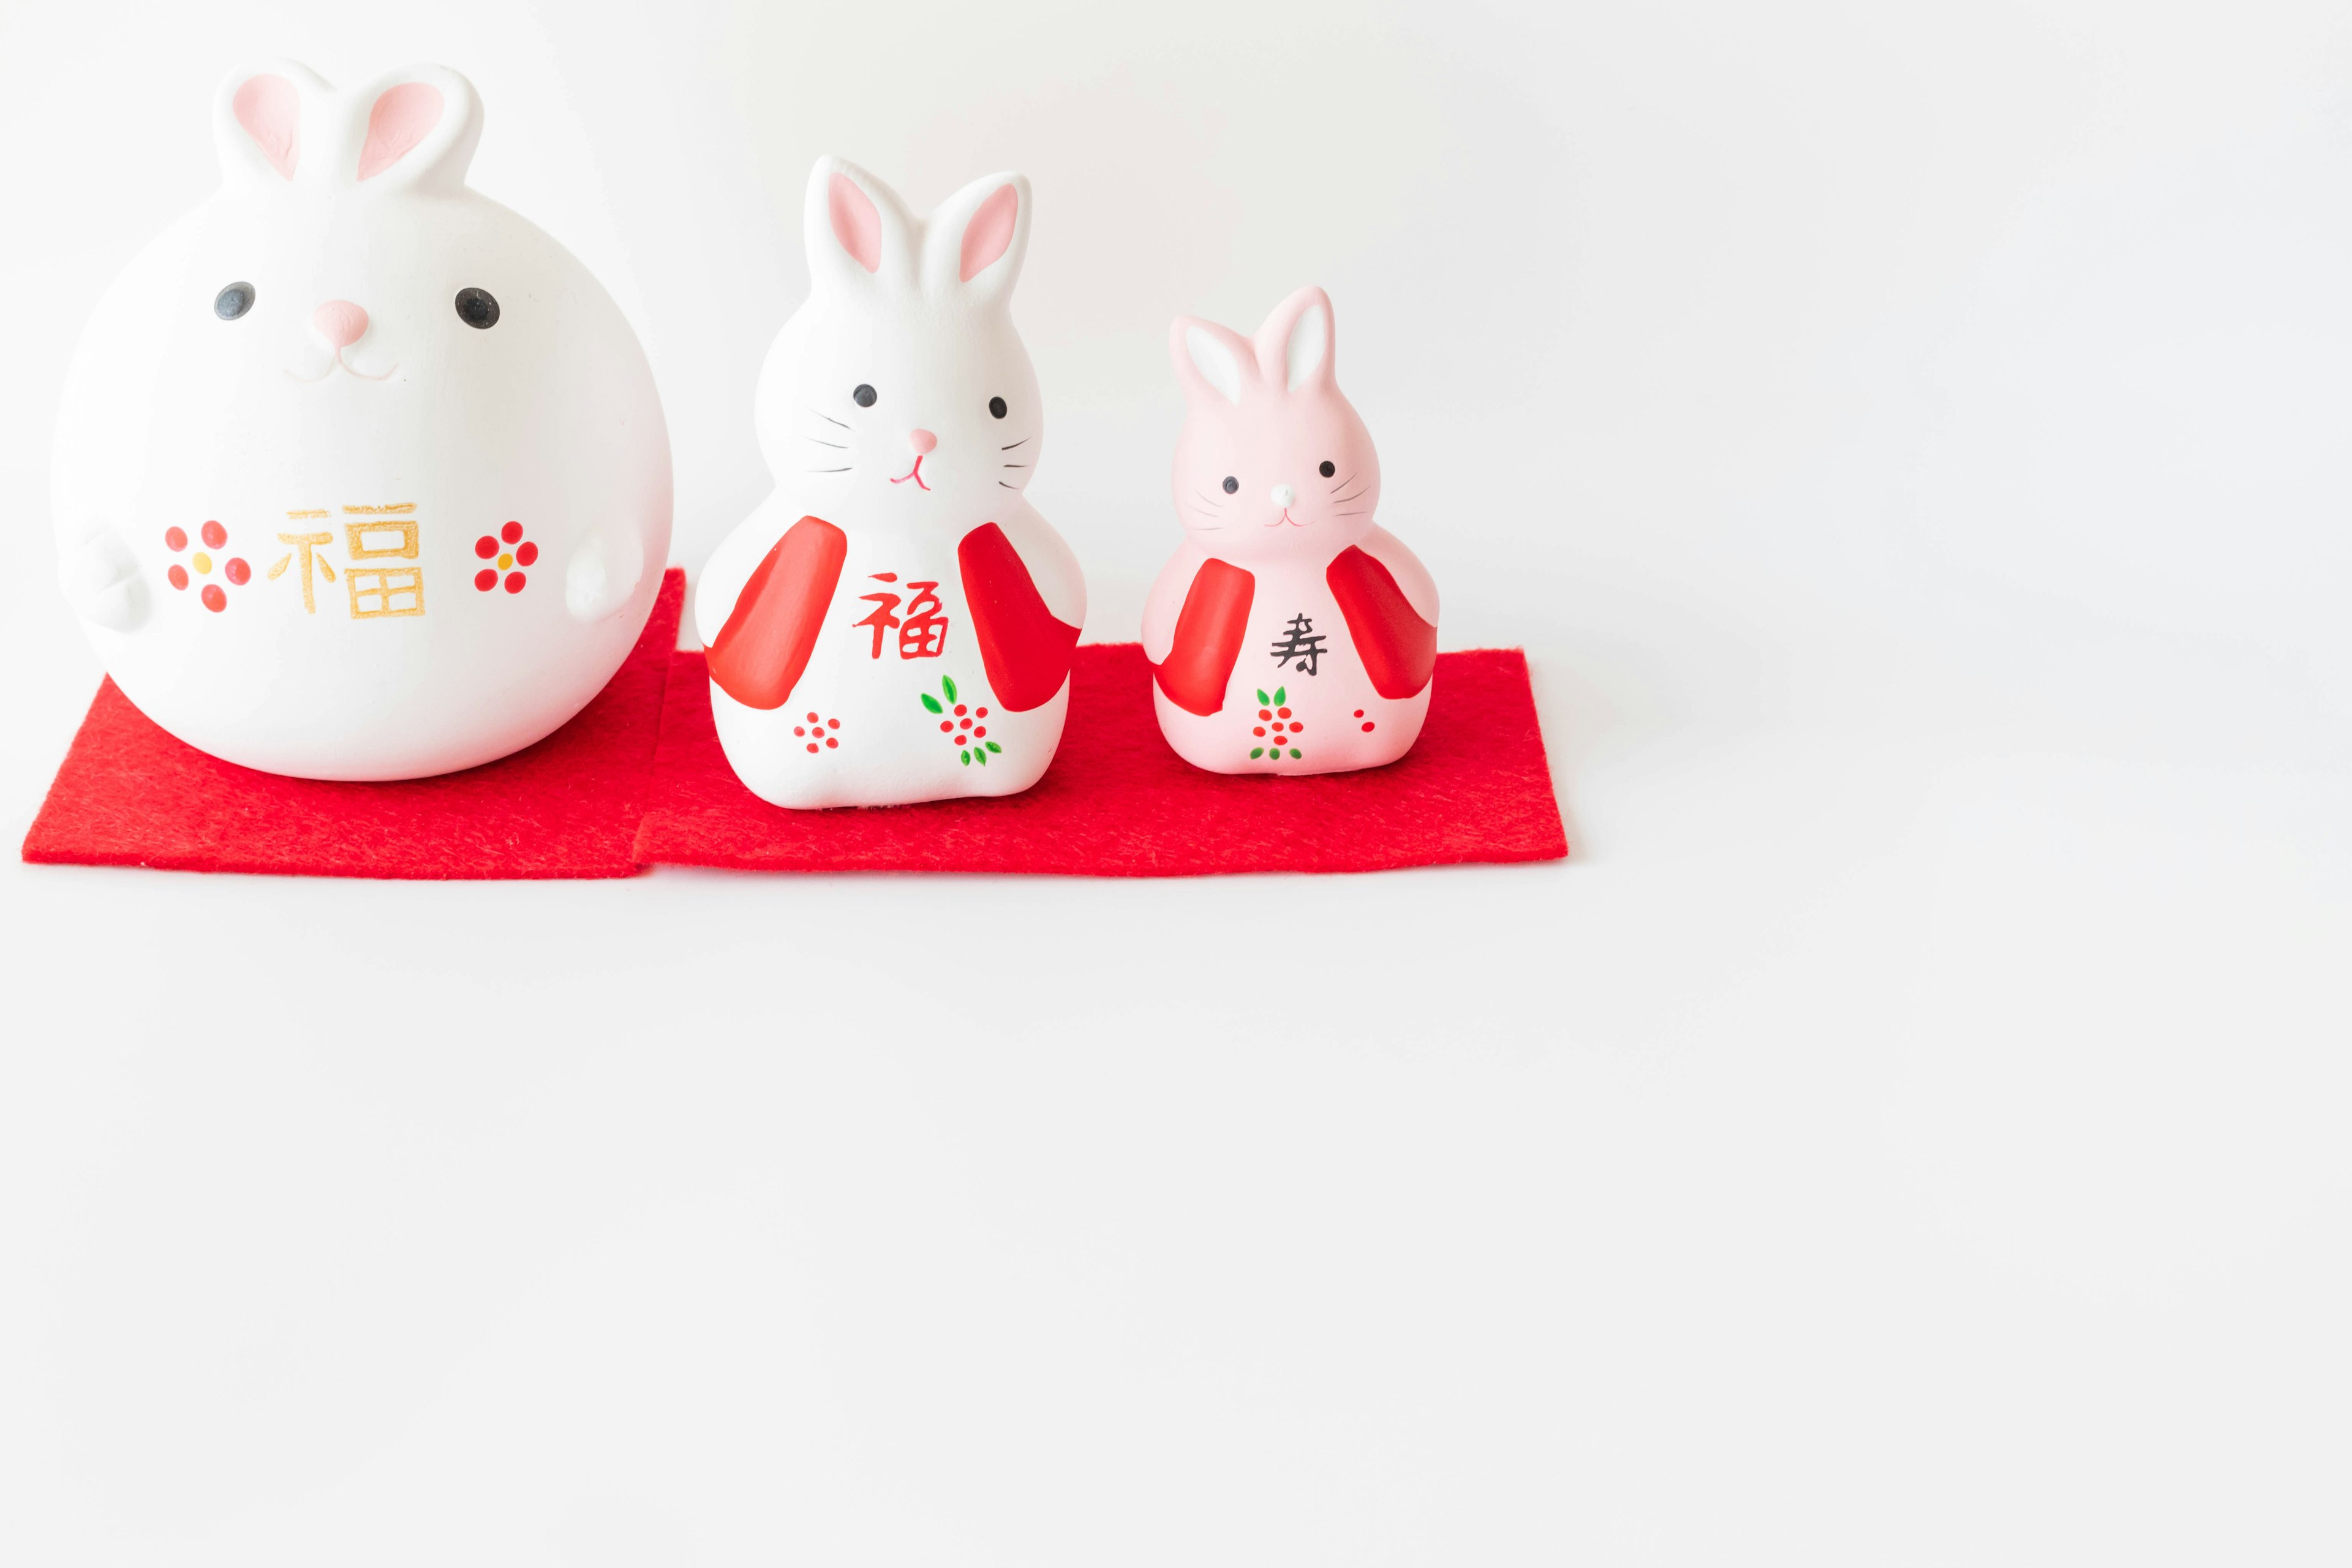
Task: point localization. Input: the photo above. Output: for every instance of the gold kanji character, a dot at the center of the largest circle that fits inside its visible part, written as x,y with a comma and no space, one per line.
379,591
305,544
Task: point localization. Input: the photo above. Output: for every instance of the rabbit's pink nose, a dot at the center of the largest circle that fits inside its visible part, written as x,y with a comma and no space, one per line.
339,321
923,442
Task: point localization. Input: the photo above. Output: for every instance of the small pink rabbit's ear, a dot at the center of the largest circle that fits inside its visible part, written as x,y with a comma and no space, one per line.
1294,348
258,117
1211,362
855,228
974,242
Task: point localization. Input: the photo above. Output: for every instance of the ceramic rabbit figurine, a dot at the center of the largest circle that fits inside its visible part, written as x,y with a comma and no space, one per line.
358,475
896,623
1291,634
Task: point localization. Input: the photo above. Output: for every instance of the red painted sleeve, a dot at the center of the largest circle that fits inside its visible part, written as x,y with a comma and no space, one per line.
1208,637
1024,649
1398,647
758,656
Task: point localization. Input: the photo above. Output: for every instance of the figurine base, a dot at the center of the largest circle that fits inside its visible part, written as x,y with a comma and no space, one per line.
129,795
1119,803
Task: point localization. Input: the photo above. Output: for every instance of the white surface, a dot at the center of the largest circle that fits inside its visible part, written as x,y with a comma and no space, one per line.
1910,444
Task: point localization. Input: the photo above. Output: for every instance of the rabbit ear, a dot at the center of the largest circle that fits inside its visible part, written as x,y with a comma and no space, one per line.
973,243
855,228
1211,360
1294,348
422,126
257,115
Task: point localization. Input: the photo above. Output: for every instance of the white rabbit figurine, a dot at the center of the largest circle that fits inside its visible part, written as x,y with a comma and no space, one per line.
359,475
1291,633
896,623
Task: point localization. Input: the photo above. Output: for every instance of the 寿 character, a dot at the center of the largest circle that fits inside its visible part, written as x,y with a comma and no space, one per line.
881,620
925,633
1303,643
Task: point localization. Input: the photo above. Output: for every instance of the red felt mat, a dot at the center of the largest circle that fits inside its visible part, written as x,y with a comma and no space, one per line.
129,795
1117,803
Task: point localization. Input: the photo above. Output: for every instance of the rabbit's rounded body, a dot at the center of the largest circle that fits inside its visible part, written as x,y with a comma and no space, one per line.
1297,714
899,586
343,532
863,722
1291,633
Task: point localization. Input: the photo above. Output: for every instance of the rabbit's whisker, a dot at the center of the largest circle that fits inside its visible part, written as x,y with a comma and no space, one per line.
1344,499
1022,442
835,445
1008,487
829,419
1015,465
824,470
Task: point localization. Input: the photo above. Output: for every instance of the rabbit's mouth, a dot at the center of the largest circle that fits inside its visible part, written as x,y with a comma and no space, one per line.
338,363
915,473
1286,516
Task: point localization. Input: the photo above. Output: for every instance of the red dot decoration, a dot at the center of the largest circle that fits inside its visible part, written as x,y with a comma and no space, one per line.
486,547
811,746
979,712
801,729
510,533
215,535
1368,726
944,726
215,600
1257,730
485,579
1265,713
177,537
812,718
514,581
958,709
1284,711
1295,726
833,723
237,571
980,732
831,741
178,575
1359,712
526,554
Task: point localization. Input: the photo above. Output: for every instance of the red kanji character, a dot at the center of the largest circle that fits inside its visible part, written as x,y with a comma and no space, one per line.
882,620
925,634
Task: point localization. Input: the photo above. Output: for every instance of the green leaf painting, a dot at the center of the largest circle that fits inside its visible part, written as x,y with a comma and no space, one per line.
1263,700
947,685
1281,695
932,703
993,747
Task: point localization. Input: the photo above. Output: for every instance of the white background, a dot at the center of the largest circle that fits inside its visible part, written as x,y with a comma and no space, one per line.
1910,442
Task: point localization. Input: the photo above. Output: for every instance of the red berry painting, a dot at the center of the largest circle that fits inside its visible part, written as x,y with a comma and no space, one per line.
964,725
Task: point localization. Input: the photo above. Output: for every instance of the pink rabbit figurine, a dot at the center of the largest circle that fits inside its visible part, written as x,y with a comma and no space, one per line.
1291,634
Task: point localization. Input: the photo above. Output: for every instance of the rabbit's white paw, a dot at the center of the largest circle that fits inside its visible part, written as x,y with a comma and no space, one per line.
603,575
102,582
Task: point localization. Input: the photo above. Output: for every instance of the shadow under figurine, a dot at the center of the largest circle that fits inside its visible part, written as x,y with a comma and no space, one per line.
1291,634
358,474
897,622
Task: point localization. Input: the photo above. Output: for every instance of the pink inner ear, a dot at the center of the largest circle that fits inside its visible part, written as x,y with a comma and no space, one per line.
854,222
990,233
271,113
403,116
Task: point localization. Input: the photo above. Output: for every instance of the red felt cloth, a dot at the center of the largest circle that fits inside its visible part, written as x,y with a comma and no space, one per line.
1117,803
129,795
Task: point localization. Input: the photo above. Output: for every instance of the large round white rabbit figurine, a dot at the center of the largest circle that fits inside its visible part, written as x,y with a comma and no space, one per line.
896,623
1291,634
358,474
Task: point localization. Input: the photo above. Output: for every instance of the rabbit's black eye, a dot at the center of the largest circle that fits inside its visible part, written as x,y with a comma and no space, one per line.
1326,470
1232,484
477,308
862,396
996,407
233,301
